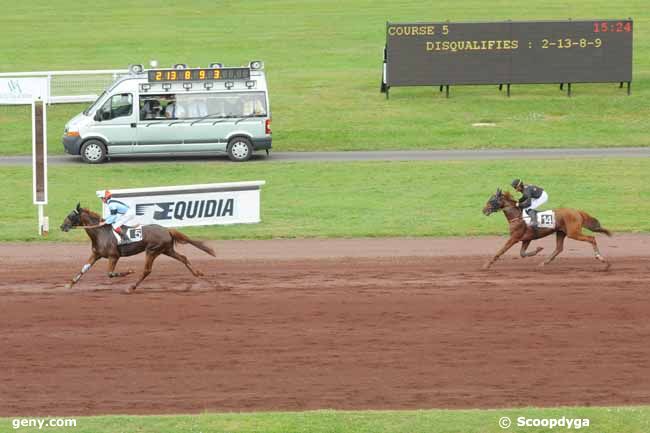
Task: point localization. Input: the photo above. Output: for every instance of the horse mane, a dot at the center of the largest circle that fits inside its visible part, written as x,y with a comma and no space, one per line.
506,195
91,213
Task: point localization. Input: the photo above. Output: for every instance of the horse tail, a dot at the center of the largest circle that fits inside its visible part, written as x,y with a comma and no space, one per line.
593,224
183,239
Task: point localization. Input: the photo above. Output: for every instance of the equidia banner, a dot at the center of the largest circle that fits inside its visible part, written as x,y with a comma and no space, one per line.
193,205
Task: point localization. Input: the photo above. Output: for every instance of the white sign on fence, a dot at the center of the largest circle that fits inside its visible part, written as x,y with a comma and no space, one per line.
193,205
22,90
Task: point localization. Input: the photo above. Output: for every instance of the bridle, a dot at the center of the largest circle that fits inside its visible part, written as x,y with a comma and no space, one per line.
81,224
495,209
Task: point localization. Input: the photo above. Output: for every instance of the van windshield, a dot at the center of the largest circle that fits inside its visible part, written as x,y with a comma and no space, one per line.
200,105
92,106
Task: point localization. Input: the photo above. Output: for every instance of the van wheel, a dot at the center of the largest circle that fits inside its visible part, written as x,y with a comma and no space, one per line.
240,149
93,152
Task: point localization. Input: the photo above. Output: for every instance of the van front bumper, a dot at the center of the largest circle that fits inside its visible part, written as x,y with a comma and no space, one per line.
261,143
72,145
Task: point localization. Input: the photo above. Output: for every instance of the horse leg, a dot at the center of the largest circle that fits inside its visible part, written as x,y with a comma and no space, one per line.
559,246
578,236
148,264
181,258
509,243
91,261
112,262
524,246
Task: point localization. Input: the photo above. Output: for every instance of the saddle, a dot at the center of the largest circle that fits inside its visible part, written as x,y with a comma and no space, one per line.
545,220
131,235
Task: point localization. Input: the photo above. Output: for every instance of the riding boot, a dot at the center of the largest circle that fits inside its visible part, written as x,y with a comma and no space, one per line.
532,213
123,234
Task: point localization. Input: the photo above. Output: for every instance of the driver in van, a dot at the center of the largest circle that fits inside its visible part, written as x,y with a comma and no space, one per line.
156,109
151,109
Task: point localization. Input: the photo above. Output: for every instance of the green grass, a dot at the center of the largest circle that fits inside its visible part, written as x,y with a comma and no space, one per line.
355,199
324,62
601,420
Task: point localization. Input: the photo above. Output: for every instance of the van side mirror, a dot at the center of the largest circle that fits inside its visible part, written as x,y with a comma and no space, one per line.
102,115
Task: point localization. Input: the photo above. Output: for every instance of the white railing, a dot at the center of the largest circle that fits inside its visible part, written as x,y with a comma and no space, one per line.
71,86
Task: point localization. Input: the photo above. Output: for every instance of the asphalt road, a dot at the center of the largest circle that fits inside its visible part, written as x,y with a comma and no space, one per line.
379,155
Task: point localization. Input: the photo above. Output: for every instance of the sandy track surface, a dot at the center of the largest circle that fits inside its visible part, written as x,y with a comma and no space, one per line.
306,324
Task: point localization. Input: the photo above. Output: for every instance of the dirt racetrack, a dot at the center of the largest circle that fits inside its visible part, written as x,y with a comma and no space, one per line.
306,324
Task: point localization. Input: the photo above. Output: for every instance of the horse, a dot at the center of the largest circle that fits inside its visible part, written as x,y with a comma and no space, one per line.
569,222
156,240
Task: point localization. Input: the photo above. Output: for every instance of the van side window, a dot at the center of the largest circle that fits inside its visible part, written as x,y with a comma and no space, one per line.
117,106
223,104
155,106
182,106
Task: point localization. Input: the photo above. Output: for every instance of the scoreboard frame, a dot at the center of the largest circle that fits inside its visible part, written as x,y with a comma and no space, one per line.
508,52
197,74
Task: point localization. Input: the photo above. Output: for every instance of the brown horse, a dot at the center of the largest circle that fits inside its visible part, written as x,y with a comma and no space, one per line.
156,240
568,222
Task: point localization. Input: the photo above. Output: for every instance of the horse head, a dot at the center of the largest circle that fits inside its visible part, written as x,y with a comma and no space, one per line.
494,203
73,219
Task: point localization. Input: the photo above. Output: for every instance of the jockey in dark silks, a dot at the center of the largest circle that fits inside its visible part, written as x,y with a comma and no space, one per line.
532,197
120,215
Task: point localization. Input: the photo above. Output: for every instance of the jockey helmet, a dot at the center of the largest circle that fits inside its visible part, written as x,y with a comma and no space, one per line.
104,195
515,183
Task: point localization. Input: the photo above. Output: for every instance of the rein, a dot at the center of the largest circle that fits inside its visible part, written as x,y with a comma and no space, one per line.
521,217
91,226
88,227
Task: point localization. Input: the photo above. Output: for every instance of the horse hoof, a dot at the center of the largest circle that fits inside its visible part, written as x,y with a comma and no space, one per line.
130,271
541,265
68,286
486,266
129,290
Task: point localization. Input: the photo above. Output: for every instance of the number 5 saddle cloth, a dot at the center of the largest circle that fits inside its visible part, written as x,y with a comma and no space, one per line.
133,234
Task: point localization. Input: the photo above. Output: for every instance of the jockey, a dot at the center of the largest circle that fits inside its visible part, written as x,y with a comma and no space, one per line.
120,215
532,197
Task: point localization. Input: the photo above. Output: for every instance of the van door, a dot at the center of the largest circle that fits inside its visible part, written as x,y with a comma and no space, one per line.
115,122
157,131
178,123
205,127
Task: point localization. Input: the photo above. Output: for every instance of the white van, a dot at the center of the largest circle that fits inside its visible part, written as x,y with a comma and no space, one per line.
176,111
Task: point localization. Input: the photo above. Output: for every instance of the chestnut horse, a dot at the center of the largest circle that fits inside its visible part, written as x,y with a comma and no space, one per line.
568,222
156,240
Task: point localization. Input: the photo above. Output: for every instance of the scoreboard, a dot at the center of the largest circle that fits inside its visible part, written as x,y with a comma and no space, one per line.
509,52
198,74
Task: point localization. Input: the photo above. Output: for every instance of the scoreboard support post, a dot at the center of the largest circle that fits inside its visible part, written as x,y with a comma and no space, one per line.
629,85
